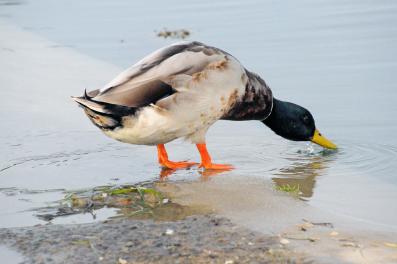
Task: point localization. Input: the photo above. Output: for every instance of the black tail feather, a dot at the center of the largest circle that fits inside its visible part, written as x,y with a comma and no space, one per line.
86,95
106,108
102,114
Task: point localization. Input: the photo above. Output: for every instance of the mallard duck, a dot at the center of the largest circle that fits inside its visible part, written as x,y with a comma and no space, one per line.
179,91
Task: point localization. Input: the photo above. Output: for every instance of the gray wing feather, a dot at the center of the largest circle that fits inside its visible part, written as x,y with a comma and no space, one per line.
147,81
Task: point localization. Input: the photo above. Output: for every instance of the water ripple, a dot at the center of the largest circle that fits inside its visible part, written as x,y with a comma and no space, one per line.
368,158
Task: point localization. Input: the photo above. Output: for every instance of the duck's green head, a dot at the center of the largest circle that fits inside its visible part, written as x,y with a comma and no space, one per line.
296,123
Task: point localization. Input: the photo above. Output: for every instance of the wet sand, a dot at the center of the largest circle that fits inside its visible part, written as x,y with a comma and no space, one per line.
319,235
275,219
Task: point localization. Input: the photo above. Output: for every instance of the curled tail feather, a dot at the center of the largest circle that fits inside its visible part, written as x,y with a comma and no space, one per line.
103,115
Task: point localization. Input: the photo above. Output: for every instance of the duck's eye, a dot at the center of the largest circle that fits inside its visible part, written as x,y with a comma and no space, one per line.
306,120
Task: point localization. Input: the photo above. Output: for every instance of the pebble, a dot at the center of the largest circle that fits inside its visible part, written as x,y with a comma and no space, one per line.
284,241
169,232
122,261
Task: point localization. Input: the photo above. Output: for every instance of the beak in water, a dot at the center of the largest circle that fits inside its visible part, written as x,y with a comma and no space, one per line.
322,141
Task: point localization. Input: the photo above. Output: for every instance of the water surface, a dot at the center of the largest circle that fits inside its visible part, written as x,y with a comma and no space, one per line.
10,256
336,58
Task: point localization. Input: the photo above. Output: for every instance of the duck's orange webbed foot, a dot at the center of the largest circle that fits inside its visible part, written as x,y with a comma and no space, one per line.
165,162
214,166
206,161
177,165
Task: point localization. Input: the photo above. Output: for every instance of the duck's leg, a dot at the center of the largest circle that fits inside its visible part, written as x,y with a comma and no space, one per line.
165,162
206,161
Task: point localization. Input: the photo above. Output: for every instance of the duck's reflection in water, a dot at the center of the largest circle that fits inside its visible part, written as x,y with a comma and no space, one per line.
207,174
204,174
165,172
302,174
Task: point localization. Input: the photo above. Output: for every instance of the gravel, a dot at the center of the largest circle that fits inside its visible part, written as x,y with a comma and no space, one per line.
196,239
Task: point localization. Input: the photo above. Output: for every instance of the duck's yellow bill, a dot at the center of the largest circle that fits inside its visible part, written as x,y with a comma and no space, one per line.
322,141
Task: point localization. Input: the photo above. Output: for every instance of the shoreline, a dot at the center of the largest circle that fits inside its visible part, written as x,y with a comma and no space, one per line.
197,225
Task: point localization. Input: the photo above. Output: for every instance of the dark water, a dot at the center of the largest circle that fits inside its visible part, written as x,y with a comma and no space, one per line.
336,58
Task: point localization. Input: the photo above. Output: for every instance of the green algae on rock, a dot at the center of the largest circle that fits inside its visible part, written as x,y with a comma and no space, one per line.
139,201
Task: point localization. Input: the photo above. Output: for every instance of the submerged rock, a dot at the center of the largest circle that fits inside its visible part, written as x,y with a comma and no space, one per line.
174,34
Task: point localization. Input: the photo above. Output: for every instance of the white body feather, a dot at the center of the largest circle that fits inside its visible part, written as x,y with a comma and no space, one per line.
199,103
